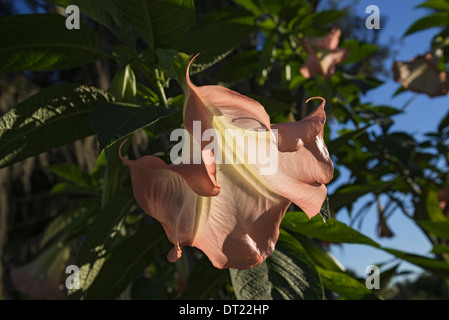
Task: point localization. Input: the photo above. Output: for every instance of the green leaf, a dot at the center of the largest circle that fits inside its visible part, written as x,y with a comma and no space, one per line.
358,51
128,260
98,10
72,173
440,249
100,237
216,36
343,139
438,229
41,42
438,19
428,207
161,24
332,230
343,284
286,275
51,118
206,279
436,266
112,121
320,255
435,4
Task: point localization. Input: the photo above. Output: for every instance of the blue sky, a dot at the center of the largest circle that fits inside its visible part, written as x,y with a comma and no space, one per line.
423,115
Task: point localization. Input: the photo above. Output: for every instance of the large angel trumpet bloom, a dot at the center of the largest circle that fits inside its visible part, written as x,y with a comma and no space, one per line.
422,75
323,54
236,223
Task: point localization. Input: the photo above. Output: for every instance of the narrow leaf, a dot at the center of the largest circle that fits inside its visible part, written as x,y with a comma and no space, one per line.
332,230
433,265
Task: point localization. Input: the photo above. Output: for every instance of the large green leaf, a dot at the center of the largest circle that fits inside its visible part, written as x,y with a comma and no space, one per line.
288,274
52,118
128,260
344,285
112,121
218,33
41,42
332,230
98,10
161,24
439,229
438,19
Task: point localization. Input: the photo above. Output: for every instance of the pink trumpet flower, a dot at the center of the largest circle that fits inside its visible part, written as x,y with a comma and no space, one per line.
231,211
323,54
421,75
43,277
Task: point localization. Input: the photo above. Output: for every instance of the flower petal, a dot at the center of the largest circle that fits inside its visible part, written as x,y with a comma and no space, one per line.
236,229
330,60
207,101
304,164
421,75
323,55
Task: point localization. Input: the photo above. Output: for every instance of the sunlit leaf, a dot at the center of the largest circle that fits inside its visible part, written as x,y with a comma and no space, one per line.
332,230
51,118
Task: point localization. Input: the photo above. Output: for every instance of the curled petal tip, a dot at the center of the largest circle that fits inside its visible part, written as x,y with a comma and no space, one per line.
120,150
174,254
312,98
188,67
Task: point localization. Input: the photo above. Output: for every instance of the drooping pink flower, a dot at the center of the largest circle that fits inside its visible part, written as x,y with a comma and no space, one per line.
43,277
421,75
231,211
323,54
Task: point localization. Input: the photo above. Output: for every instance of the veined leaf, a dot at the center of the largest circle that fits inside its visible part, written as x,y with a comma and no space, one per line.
127,261
287,274
161,24
332,230
343,284
51,118
112,121
98,10
216,36
41,42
